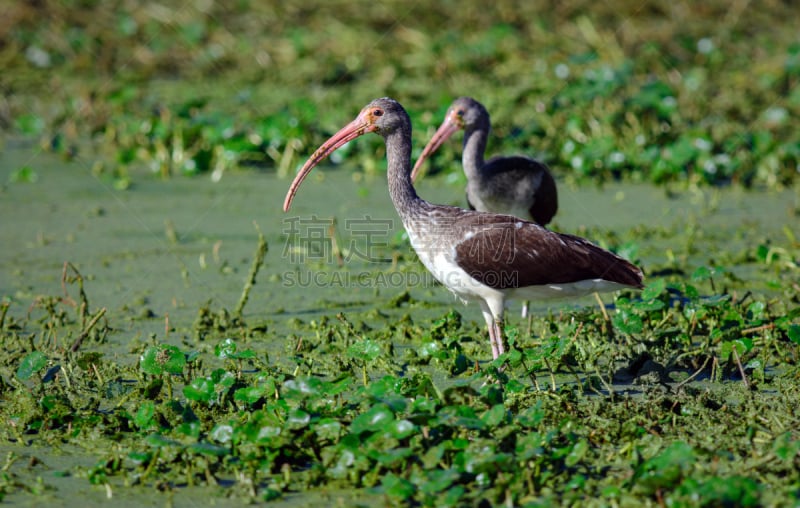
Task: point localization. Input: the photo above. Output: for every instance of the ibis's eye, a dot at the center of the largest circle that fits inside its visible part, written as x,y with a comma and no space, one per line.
460,113
377,112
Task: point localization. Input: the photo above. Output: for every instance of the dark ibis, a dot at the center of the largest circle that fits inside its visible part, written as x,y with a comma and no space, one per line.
479,256
515,185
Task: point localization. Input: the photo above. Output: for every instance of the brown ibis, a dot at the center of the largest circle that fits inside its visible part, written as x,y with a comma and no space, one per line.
479,256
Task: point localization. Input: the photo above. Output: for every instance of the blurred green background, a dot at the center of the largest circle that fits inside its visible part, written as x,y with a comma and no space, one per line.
696,92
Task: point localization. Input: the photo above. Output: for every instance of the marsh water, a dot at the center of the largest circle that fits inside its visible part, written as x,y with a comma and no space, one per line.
162,249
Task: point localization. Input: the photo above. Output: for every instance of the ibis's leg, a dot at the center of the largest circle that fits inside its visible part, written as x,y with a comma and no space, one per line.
490,324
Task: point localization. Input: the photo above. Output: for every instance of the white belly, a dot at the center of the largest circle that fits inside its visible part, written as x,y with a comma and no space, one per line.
438,259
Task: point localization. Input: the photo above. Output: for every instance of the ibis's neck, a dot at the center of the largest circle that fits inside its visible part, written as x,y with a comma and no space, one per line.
474,146
398,157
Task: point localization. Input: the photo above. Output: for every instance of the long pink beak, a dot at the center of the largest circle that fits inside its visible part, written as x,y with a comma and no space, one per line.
447,129
349,132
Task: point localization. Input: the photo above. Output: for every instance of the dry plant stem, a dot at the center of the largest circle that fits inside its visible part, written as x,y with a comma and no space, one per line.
67,299
602,307
757,329
741,369
697,373
335,249
3,310
608,387
575,335
215,250
97,373
170,232
552,375
287,156
65,373
535,382
605,384
85,333
258,262
84,306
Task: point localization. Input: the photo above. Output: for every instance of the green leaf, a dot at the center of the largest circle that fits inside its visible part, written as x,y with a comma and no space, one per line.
210,449
793,332
191,429
739,491
223,378
651,305
494,416
394,486
249,394
741,346
702,273
162,358
438,480
144,415
159,441
654,289
303,387
533,416
298,419
756,310
200,390
401,429
24,174
328,428
785,447
666,469
366,349
221,433
577,453
374,419
225,349
31,363
716,300
628,322
140,458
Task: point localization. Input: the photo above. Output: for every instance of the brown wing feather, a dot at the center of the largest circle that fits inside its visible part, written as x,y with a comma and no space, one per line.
505,252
